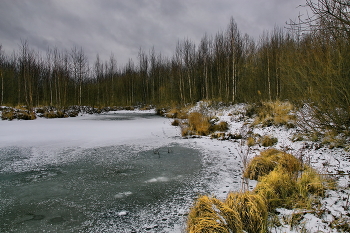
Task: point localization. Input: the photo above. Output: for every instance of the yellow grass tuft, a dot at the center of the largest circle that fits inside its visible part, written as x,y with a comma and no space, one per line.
278,187
204,217
268,160
311,181
241,212
199,123
275,113
252,209
267,141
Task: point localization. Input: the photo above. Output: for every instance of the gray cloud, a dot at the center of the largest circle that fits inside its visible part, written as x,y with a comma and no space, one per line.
122,27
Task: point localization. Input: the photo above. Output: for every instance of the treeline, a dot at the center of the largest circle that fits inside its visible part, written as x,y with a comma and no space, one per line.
297,65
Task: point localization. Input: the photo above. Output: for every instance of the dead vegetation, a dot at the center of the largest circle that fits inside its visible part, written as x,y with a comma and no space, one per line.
276,113
17,113
283,182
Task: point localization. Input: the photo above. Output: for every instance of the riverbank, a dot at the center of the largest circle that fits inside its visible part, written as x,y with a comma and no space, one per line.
246,138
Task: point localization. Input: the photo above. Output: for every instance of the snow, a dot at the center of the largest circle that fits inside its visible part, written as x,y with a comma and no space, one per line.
224,156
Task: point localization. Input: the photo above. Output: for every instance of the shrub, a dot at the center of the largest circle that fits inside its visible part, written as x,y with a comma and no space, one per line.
268,160
26,115
177,113
55,114
218,135
185,131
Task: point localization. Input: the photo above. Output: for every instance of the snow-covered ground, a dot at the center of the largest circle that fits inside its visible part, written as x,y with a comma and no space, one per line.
222,158
334,209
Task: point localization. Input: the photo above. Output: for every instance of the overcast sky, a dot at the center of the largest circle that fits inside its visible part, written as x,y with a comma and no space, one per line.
121,27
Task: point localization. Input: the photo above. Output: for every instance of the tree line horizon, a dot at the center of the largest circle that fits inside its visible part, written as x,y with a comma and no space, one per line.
296,64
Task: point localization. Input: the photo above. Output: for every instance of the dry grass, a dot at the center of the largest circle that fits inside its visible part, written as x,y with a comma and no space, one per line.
310,182
283,182
267,141
275,113
221,126
278,187
251,141
205,217
55,114
178,113
241,212
285,190
268,160
20,114
252,209
199,124
176,122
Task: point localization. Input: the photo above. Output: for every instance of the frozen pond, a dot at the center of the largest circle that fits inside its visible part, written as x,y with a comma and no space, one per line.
116,172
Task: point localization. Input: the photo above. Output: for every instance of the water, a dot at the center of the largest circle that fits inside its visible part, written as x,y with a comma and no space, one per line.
115,188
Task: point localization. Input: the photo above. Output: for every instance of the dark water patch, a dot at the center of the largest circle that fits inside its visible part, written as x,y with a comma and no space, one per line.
117,116
106,188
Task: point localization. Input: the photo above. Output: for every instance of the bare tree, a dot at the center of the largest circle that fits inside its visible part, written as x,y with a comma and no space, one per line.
80,69
330,16
2,62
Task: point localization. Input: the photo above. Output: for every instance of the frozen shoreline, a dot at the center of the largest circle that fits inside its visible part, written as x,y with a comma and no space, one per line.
220,155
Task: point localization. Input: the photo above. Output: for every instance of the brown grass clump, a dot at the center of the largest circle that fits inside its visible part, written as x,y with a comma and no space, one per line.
176,122
282,189
278,187
177,113
268,160
252,209
268,141
199,123
310,181
8,115
20,114
211,215
251,141
221,126
55,114
241,212
275,113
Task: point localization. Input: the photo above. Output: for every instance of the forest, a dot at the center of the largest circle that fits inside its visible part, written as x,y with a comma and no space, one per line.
308,61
